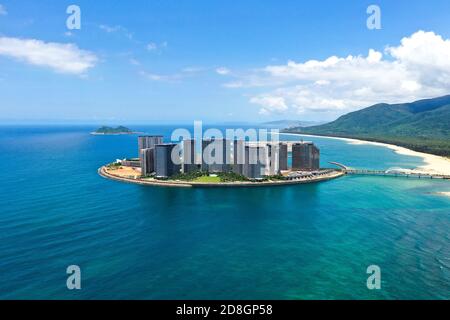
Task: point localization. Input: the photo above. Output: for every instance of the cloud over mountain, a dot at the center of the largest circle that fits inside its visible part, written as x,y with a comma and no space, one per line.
419,67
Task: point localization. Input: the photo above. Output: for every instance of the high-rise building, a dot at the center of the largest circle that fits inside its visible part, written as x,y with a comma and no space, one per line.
189,156
315,158
238,156
283,157
275,158
297,156
253,167
271,158
147,142
206,154
164,165
305,156
147,161
216,155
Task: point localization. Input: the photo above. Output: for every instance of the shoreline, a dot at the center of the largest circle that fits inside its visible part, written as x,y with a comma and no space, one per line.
433,164
187,184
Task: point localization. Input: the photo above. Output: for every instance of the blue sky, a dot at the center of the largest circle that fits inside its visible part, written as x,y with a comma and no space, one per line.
221,61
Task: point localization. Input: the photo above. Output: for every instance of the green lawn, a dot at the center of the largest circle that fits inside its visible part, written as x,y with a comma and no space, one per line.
207,179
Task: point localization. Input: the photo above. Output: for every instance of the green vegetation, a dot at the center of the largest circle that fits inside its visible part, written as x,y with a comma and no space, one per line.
277,177
111,130
422,125
208,179
231,177
114,165
199,176
190,176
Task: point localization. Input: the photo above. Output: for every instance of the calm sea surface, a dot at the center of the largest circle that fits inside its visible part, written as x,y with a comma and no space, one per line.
137,242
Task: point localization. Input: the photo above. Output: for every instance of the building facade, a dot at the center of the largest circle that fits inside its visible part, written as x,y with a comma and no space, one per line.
272,159
216,155
135,163
254,168
164,165
148,142
283,157
147,161
189,156
305,156
238,156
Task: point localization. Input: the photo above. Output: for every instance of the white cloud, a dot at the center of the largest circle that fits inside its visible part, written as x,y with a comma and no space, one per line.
322,82
151,76
270,104
134,62
63,58
153,46
109,29
223,71
182,74
161,77
192,69
3,11
116,29
419,67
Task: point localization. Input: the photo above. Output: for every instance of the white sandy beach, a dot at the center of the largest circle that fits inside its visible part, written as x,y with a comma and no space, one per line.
433,164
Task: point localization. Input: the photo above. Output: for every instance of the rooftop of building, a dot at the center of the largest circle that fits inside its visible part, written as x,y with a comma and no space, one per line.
165,144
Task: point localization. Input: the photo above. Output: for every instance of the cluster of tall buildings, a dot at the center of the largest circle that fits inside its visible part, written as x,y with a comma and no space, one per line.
253,160
256,160
156,157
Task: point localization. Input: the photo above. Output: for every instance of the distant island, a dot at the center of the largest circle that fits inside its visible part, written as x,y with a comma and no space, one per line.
422,126
105,130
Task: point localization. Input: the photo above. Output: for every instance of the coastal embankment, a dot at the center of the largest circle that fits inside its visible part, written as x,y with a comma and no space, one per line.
104,172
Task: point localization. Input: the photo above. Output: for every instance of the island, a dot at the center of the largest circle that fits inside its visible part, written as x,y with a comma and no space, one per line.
133,175
239,163
105,130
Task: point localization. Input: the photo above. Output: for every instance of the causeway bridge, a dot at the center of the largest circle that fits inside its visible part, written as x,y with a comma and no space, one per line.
388,173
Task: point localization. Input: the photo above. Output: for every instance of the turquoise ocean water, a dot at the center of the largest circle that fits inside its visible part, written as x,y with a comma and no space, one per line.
137,242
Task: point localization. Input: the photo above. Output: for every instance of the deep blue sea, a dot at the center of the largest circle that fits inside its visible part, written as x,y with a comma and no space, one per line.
310,241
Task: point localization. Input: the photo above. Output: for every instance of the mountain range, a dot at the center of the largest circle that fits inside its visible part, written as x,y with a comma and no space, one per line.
281,124
422,125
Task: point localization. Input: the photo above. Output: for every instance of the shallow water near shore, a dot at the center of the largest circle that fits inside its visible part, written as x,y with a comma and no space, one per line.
137,242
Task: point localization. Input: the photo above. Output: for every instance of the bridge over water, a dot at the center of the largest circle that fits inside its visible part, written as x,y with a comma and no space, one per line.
388,173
